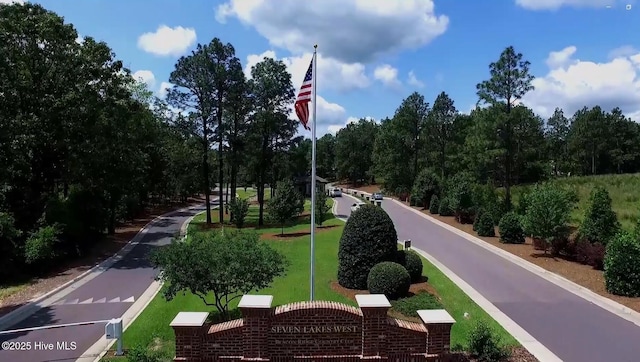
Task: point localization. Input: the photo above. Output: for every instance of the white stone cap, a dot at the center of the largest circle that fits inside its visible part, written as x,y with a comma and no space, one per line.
372,301
435,316
189,319
255,301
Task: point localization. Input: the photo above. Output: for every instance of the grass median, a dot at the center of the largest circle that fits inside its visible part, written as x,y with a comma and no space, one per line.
151,329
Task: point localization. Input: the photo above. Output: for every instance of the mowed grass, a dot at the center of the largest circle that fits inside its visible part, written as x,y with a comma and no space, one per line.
151,328
623,189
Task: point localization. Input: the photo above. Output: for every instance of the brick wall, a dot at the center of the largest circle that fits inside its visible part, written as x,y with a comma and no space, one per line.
312,332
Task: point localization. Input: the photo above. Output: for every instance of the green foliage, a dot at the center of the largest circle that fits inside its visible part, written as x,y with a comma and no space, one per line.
218,267
369,237
600,223
510,227
354,150
286,204
322,207
485,346
411,261
389,278
621,267
460,195
476,219
445,208
409,306
40,246
140,353
434,205
548,214
523,203
486,197
239,208
9,246
485,226
427,185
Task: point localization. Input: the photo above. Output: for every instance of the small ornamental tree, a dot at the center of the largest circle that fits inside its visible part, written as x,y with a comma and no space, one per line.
548,214
286,204
621,267
239,210
460,195
369,237
510,227
600,223
322,207
485,225
218,267
426,185
434,205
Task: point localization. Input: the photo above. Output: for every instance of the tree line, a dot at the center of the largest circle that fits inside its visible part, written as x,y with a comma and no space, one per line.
84,146
501,141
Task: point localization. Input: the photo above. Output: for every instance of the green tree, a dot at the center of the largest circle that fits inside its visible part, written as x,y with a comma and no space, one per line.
326,156
354,146
322,207
427,185
509,82
286,204
548,213
557,133
440,127
201,266
600,223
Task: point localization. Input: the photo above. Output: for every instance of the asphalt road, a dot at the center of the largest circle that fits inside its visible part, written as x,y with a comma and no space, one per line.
107,296
572,328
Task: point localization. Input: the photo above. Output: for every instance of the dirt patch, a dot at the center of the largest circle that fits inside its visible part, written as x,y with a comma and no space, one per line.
416,288
296,234
581,274
518,354
101,251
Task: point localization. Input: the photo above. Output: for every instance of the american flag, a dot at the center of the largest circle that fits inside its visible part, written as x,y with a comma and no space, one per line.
304,97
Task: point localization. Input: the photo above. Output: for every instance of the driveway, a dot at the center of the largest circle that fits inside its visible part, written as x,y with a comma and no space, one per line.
107,296
573,328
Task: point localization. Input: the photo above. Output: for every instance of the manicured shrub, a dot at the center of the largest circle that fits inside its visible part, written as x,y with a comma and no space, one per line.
476,218
600,223
434,205
484,344
460,194
621,267
413,200
369,237
411,261
523,203
41,245
444,208
486,197
548,213
390,279
510,227
590,253
485,225
239,210
410,306
426,185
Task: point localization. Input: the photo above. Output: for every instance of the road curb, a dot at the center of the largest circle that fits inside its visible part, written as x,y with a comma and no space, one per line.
42,301
566,284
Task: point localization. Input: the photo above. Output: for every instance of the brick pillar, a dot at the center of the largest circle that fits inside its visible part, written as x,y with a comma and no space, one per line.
438,323
256,313
374,309
189,331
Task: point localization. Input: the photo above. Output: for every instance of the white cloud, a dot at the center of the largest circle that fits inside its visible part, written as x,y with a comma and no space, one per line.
347,30
11,1
579,83
414,81
79,39
164,87
623,51
166,41
557,4
332,74
145,76
560,58
334,128
387,74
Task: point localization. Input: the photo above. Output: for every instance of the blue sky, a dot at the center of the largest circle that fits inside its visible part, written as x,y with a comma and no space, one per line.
375,53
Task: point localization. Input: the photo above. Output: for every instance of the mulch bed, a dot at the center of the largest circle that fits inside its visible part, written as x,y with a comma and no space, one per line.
102,250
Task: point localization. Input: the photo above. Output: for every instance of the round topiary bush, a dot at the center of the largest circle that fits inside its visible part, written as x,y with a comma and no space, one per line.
369,237
390,279
434,206
621,267
510,227
476,219
411,261
445,208
485,225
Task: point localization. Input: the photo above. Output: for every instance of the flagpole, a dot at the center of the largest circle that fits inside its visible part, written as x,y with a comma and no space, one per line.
313,172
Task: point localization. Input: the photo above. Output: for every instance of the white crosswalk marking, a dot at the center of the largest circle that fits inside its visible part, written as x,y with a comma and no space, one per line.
97,301
115,300
88,301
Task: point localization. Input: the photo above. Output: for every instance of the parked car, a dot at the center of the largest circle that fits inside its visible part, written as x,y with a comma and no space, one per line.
335,192
356,206
377,196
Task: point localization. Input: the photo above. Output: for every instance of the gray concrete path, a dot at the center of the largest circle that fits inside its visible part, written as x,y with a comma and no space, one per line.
573,328
106,296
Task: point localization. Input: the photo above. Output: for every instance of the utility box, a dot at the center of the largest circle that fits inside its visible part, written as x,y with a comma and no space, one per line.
113,329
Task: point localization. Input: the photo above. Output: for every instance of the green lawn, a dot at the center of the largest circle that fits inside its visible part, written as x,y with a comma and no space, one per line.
152,326
251,193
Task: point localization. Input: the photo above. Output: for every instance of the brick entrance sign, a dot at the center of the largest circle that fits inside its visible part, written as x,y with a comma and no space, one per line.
313,331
